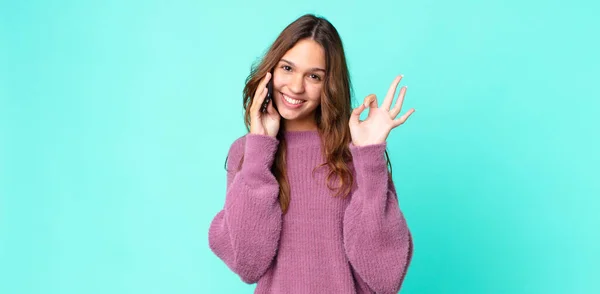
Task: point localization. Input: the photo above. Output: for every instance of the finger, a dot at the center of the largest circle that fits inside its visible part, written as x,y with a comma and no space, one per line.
355,116
261,92
370,102
398,106
389,97
257,100
271,108
403,118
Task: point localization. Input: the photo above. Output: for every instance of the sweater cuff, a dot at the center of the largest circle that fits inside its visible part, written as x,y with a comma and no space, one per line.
259,152
369,160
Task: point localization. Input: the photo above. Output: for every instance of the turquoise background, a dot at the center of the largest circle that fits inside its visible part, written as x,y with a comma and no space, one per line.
116,117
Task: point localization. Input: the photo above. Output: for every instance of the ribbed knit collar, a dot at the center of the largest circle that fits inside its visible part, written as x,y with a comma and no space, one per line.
302,138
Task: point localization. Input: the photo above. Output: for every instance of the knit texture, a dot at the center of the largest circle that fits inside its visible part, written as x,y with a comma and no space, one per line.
323,244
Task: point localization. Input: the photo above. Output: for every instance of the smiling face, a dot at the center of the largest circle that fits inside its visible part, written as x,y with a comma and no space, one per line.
298,80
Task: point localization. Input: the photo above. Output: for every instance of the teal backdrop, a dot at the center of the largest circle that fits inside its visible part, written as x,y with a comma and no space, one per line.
116,117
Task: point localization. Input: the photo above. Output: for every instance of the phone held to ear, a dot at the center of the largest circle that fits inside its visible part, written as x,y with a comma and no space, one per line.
263,108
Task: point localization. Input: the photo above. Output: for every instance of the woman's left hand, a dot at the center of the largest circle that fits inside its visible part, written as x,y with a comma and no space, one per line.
381,120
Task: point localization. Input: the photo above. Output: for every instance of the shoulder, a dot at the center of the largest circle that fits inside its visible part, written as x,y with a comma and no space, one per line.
238,145
236,151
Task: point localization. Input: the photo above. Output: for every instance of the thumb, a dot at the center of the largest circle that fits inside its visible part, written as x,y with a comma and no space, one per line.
355,116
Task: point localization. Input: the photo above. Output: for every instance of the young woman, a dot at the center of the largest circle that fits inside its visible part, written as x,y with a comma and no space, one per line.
310,205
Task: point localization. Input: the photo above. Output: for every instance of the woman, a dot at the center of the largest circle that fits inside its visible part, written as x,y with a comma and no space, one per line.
310,206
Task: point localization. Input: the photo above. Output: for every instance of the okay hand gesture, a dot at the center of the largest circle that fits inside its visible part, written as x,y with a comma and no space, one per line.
380,120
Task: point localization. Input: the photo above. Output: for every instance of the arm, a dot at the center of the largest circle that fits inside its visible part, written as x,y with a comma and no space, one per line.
377,240
245,234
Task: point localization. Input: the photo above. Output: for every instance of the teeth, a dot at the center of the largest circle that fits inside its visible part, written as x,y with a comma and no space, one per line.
292,101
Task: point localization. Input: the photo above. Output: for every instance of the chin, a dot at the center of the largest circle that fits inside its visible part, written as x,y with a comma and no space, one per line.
285,114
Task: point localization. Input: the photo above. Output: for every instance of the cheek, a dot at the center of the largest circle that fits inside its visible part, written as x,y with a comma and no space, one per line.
277,83
315,92
280,79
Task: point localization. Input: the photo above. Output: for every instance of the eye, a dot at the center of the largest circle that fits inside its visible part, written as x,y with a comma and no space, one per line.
315,77
286,67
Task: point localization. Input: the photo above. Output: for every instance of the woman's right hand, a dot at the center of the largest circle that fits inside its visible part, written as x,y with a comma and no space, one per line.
263,123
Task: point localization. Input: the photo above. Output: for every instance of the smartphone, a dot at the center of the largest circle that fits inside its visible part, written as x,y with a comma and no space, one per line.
269,96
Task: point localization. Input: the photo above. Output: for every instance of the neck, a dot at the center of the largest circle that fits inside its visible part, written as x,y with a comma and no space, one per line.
296,125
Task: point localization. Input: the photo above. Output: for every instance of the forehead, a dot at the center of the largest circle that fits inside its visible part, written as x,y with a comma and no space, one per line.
307,54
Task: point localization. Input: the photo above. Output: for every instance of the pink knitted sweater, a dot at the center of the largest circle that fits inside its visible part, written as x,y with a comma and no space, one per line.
323,244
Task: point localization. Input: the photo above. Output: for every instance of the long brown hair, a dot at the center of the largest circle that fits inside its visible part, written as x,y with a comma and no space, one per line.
333,113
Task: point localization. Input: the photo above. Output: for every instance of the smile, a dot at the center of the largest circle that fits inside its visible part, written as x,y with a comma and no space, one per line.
293,102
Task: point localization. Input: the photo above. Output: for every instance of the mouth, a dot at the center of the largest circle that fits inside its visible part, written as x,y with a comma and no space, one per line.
293,103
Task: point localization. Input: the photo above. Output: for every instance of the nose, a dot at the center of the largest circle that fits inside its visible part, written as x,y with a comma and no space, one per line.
297,84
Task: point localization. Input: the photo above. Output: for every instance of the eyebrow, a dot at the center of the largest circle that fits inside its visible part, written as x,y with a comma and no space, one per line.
312,69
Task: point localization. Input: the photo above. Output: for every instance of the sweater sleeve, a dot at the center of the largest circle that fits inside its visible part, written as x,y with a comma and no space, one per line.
245,233
377,240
